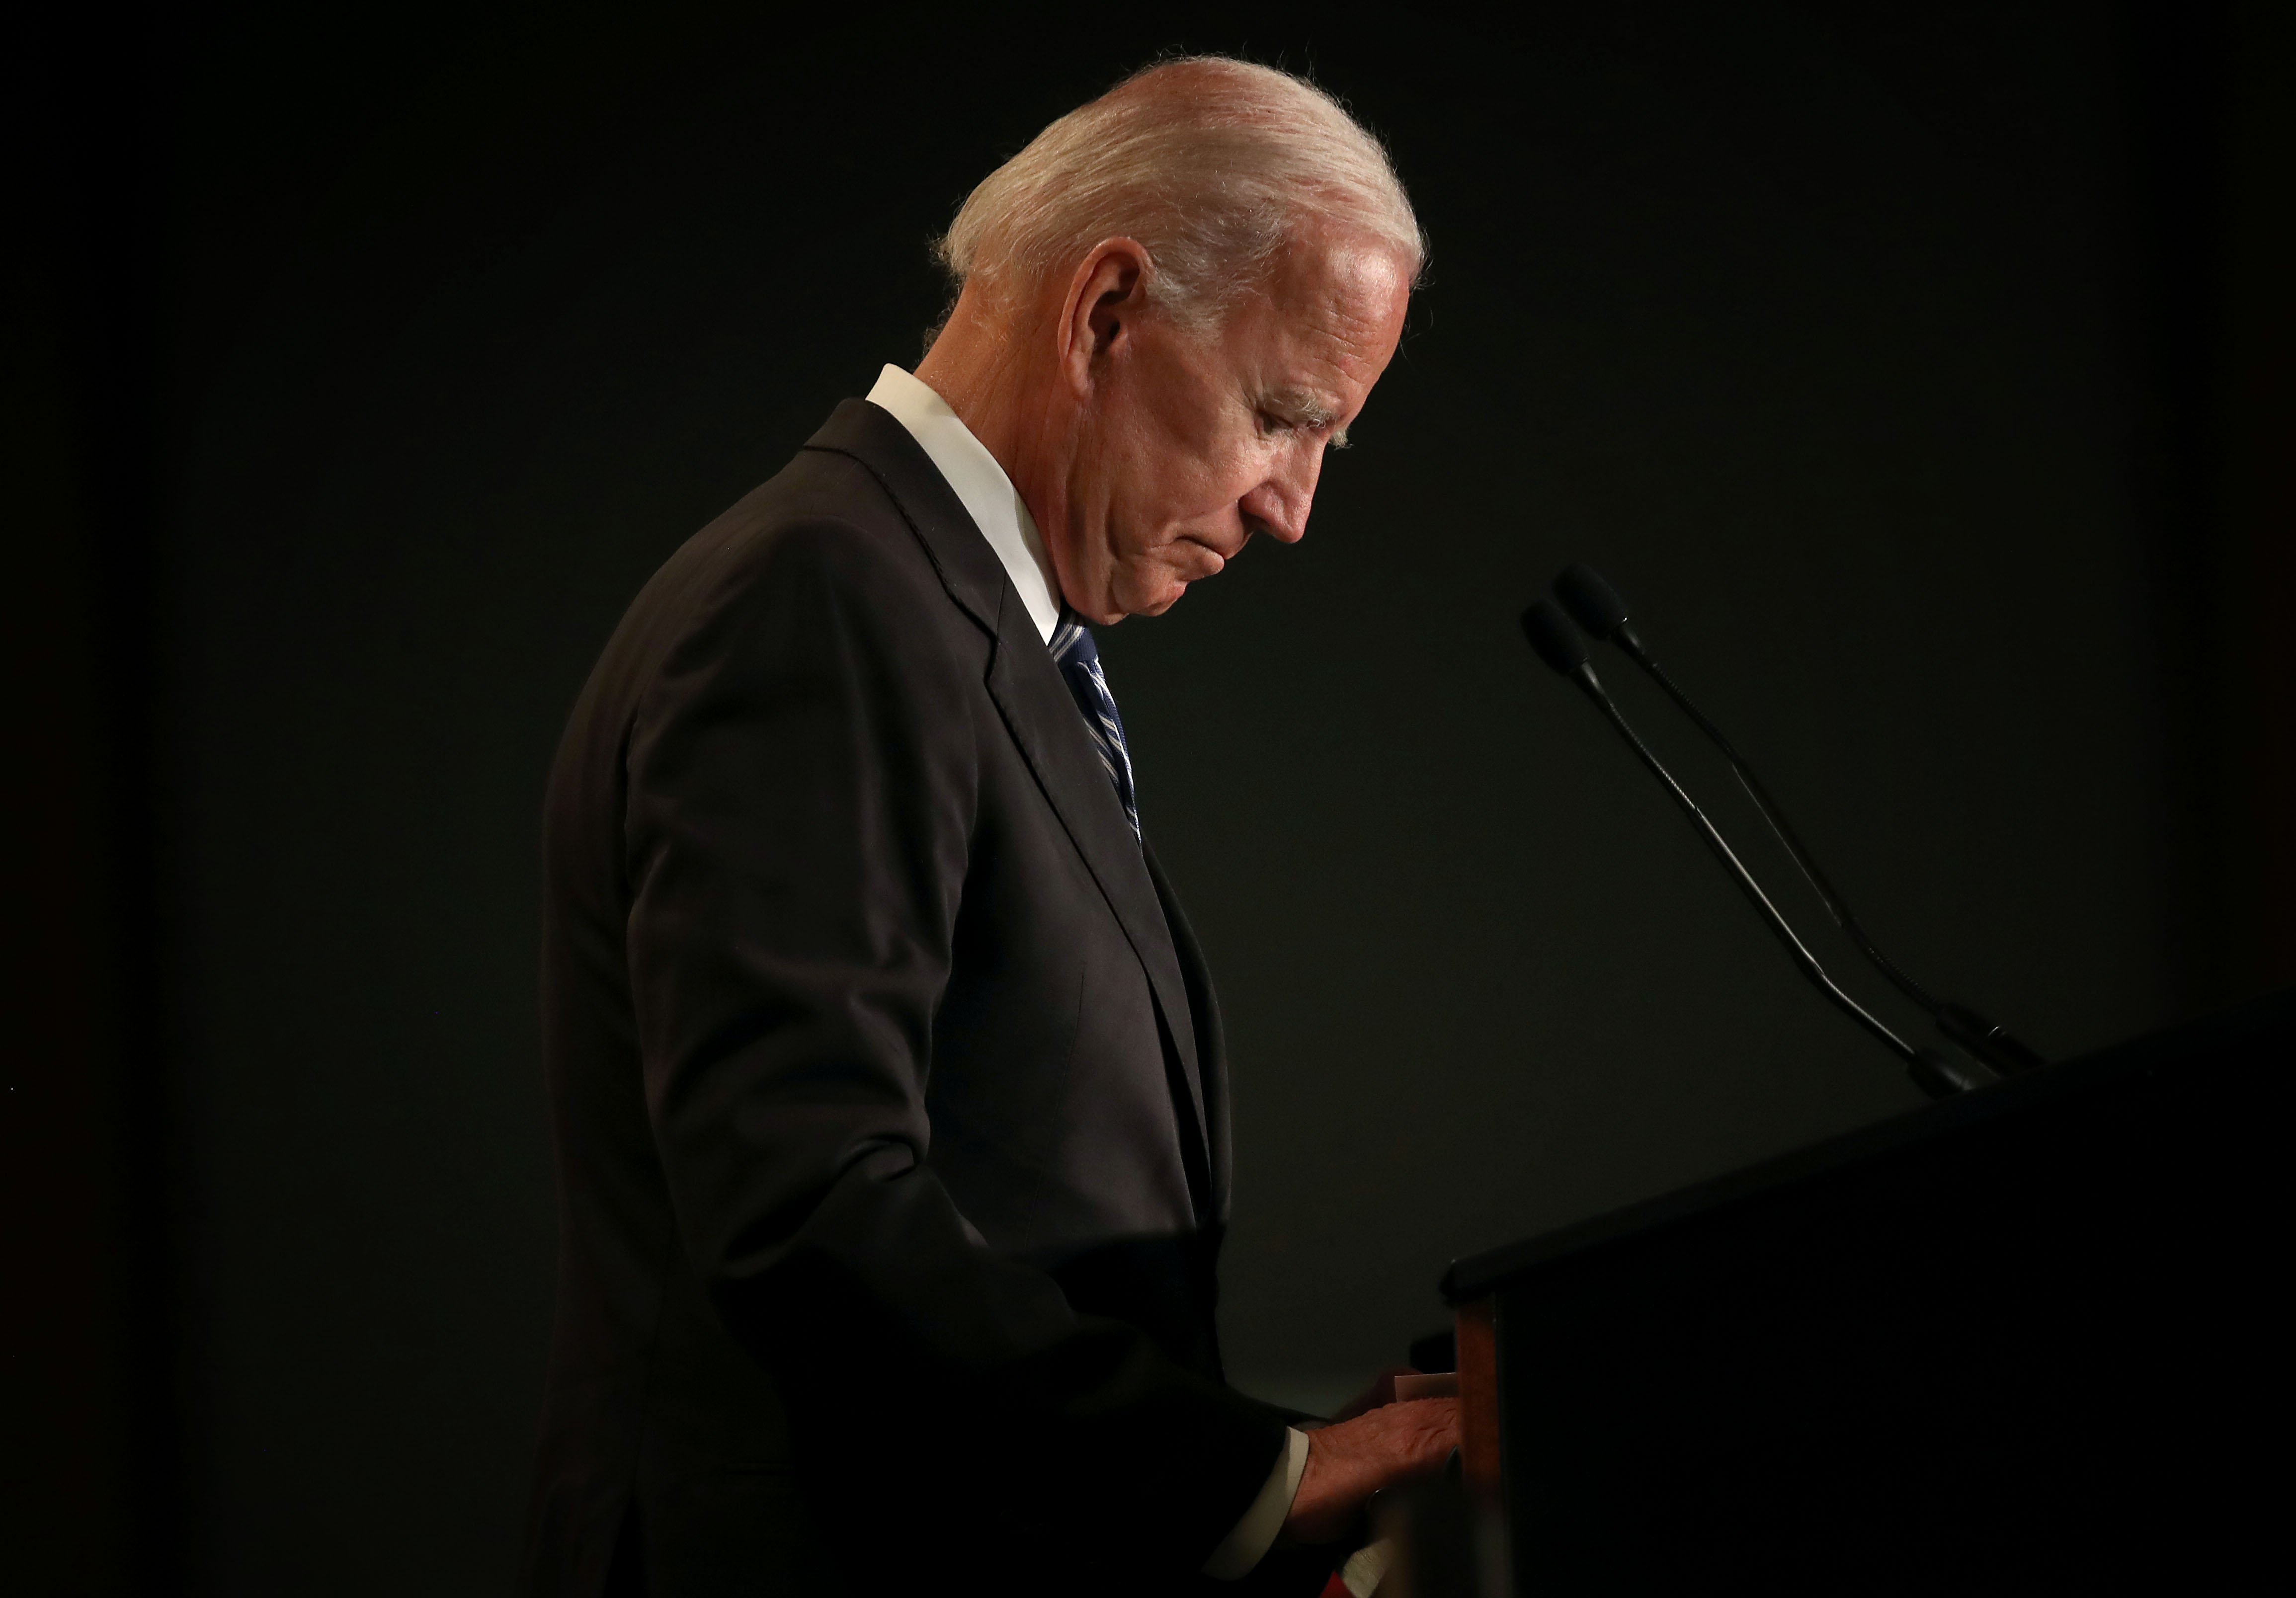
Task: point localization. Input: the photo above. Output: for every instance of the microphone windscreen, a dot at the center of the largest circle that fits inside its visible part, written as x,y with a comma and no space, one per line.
1593,603
1554,639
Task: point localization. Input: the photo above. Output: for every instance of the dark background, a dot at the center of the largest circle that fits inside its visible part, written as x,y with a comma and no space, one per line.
1921,372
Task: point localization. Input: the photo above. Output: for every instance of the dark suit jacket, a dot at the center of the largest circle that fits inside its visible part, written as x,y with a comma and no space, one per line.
890,1112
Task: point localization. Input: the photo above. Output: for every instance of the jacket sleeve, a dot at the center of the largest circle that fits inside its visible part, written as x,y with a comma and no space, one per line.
801,782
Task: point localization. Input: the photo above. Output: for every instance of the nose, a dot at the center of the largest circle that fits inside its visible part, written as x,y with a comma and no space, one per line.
1278,505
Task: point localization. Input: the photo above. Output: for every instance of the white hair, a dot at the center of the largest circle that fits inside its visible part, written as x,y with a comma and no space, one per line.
1211,164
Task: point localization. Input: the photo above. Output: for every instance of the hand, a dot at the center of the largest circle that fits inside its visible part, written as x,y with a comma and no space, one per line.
1349,1461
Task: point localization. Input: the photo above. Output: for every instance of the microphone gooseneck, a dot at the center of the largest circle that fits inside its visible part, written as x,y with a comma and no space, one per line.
1557,643
1598,608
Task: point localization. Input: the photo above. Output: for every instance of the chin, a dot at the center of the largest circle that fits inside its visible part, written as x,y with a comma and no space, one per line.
1152,597
1158,599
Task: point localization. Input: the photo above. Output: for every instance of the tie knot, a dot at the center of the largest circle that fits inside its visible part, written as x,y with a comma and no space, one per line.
1073,642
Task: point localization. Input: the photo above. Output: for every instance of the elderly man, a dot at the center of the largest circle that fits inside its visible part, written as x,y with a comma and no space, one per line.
889,1096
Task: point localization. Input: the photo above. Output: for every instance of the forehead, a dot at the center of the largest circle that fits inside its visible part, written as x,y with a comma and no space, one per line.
1328,318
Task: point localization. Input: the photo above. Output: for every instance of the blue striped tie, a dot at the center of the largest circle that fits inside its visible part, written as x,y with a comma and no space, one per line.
1079,659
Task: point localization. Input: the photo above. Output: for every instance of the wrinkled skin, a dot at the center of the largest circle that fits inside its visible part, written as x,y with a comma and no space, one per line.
1149,453
1384,1447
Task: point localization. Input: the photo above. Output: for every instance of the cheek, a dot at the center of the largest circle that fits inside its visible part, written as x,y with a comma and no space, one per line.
1193,444
1184,487
1171,462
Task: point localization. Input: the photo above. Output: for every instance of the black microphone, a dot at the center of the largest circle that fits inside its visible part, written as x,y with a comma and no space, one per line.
1597,608
1557,643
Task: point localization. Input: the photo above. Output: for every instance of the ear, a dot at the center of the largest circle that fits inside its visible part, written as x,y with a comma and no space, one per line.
1105,298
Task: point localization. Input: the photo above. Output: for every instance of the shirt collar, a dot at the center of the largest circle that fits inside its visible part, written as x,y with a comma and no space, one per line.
987,495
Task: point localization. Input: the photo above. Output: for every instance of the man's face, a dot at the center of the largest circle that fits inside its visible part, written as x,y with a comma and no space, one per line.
1191,443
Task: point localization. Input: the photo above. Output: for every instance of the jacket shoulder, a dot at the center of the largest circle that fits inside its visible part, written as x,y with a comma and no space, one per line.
822,535
823,523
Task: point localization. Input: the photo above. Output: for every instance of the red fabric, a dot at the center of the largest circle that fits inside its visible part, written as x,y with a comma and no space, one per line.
1336,1588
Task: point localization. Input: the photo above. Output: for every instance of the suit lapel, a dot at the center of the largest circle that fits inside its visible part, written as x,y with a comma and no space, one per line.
1044,721
1211,1046
1036,707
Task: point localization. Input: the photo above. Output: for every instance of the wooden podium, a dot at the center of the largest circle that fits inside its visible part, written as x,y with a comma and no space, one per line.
2030,1339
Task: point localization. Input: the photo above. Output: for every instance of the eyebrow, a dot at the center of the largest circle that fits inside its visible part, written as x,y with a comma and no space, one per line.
1303,407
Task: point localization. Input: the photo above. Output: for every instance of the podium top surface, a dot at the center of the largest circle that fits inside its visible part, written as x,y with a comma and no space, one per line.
2241,1030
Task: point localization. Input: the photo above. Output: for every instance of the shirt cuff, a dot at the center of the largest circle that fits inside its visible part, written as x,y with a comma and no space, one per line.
1254,1534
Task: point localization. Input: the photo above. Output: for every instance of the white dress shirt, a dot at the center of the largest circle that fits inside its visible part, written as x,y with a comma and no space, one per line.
994,504
997,510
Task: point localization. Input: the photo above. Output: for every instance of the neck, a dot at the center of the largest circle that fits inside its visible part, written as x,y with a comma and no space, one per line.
995,370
